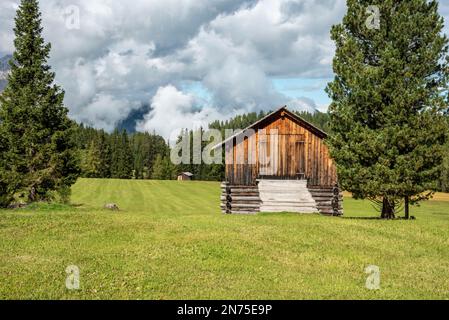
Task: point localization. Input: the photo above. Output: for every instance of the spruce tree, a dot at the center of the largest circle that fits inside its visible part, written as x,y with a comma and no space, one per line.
39,152
92,161
126,161
122,158
389,95
104,148
159,168
115,150
138,151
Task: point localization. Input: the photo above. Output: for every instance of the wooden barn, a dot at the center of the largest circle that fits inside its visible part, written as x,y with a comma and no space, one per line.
185,176
280,164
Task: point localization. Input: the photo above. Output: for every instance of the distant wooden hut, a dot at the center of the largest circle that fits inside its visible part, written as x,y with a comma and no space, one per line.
185,176
278,164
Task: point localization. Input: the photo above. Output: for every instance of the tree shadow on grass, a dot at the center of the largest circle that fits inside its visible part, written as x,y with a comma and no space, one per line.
378,218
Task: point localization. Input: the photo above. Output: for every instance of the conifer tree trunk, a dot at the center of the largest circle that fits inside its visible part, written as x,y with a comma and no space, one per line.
407,207
388,209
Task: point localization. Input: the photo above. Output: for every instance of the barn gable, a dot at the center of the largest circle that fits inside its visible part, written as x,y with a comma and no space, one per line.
281,113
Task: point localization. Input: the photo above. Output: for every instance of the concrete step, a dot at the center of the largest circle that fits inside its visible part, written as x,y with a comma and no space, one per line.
282,183
281,186
286,196
282,180
284,188
289,204
286,192
288,209
291,193
287,199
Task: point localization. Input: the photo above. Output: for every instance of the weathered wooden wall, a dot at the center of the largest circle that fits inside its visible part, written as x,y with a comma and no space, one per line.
302,154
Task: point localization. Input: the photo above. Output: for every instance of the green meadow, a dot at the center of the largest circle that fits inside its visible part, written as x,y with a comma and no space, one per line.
170,241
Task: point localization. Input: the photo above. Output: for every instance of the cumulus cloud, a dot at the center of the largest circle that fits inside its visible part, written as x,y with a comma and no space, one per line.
7,9
128,53
235,56
290,37
123,55
173,110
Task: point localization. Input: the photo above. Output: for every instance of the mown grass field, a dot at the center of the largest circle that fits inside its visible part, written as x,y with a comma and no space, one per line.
170,241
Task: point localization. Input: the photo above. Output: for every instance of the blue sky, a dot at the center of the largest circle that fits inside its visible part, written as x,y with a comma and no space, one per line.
292,88
305,87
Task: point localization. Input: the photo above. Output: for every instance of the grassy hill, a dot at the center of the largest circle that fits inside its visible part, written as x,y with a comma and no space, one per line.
170,241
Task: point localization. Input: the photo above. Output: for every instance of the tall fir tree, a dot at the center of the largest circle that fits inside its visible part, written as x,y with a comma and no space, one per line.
389,95
115,153
127,161
159,170
163,168
139,151
91,163
103,144
41,153
122,157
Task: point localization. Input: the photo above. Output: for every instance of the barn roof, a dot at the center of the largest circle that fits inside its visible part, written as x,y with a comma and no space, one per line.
320,133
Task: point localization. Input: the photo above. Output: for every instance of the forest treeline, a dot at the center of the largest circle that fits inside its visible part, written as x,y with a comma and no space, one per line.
119,154
124,155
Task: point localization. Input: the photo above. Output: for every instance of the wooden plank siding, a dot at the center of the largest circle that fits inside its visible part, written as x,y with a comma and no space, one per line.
302,150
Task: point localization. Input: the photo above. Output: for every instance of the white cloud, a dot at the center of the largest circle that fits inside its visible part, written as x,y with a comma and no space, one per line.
173,110
291,37
104,111
7,9
126,53
304,104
